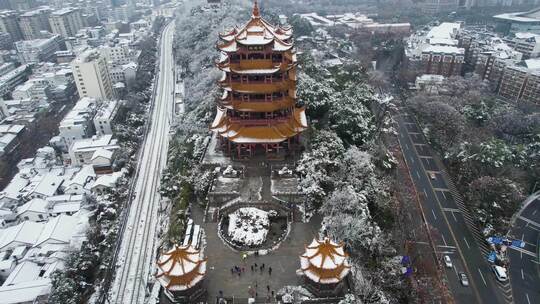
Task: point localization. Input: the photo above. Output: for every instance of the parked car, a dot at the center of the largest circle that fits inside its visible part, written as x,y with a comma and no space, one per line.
447,261
463,279
500,273
432,175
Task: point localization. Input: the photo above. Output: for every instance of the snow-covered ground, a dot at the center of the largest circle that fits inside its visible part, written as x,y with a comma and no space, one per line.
137,253
248,226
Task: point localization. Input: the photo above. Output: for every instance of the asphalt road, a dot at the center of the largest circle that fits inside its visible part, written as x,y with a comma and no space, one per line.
524,269
138,247
452,230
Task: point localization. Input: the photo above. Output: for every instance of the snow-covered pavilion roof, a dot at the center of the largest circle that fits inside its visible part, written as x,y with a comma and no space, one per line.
274,133
257,31
181,268
325,262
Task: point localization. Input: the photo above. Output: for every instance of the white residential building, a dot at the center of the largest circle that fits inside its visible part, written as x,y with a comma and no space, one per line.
77,124
36,90
118,54
38,50
92,75
66,22
35,210
105,116
82,182
82,151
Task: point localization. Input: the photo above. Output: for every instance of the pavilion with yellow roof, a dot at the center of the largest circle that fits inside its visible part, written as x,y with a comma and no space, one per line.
325,267
181,272
258,109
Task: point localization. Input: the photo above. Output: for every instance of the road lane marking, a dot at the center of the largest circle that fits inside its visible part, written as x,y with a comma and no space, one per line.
444,240
523,251
530,221
534,212
483,280
451,209
444,195
418,174
454,216
527,296
467,243
433,212
406,146
455,270
425,193
522,277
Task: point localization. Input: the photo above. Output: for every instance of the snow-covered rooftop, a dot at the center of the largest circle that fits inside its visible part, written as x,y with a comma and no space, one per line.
533,64
58,230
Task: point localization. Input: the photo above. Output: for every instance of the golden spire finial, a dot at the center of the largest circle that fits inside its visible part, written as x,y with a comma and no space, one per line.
256,12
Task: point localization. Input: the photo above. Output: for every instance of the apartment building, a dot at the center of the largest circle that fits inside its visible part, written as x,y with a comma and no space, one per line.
438,6
32,23
526,43
104,119
38,50
521,82
9,23
5,41
92,75
118,54
436,51
77,124
443,60
66,22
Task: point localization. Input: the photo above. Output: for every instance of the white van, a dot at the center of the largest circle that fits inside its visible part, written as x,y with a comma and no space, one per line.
500,273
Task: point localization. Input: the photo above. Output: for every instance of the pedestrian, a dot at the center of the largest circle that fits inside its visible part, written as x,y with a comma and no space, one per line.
263,266
255,265
251,268
239,274
272,293
269,270
243,269
261,269
232,271
268,288
221,293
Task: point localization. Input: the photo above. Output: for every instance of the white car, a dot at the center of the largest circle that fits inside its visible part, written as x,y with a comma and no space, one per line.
447,261
463,279
500,273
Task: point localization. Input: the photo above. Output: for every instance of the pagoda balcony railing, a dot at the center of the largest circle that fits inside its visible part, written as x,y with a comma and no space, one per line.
257,100
258,63
263,81
259,122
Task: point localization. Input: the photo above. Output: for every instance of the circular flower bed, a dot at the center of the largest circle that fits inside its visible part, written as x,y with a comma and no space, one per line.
248,226
251,228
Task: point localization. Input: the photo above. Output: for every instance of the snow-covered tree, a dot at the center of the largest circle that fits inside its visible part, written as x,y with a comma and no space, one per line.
316,94
315,167
495,200
351,119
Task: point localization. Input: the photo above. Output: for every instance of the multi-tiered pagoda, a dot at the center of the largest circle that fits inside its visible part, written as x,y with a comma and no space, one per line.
258,110
325,267
181,272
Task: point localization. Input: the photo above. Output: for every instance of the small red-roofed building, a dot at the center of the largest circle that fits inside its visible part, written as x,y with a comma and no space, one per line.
325,267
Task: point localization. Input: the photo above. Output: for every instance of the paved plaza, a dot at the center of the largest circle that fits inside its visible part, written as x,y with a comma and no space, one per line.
284,262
